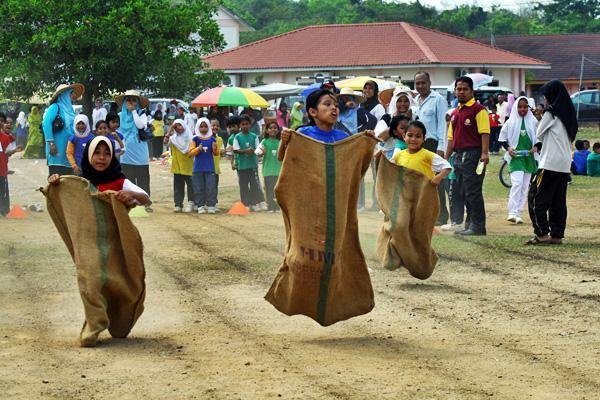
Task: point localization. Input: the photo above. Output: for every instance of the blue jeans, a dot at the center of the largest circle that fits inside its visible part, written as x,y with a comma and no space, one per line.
205,193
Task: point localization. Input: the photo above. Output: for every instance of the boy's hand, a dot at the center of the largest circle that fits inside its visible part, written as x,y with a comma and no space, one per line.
436,180
371,133
54,179
18,149
126,197
286,135
512,152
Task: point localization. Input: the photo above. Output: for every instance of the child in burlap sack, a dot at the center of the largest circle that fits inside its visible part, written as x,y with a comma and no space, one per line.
104,244
324,274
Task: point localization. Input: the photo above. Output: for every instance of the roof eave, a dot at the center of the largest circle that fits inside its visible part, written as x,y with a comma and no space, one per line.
398,66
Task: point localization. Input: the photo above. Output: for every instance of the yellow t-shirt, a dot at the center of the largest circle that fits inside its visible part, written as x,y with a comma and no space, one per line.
420,161
159,127
180,163
217,159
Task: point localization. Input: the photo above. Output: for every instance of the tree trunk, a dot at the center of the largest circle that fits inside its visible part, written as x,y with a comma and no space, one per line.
88,102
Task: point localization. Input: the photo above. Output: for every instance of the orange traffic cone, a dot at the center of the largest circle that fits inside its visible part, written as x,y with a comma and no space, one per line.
16,212
238,208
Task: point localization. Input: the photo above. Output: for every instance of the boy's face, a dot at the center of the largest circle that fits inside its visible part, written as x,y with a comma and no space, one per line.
327,110
597,150
233,129
8,124
414,139
586,145
102,130
214,125
113,125
401,128
245,126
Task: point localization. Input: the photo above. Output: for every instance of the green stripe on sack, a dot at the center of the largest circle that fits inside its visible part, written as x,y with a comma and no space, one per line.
101,238
330,233
396,198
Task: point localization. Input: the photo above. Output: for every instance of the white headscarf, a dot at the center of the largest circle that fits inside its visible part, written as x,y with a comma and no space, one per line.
197,129
21,120
398,93
512,128
81,118
181,140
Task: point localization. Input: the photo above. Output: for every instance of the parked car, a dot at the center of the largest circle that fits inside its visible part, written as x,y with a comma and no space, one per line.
483,92
588,104
166,102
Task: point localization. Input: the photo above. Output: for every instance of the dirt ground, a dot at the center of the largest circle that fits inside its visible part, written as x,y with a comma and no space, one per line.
496,320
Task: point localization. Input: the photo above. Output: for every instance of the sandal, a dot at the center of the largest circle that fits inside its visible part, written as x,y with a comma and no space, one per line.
536,241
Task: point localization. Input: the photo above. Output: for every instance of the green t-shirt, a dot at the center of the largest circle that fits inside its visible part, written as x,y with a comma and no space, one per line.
271,165
523,163
593,164
246,141
401,144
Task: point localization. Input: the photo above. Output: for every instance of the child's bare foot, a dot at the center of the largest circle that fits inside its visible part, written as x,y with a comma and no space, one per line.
54,179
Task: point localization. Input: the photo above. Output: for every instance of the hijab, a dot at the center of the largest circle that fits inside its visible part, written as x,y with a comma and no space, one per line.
297,112
512,128
197,129
82,118
509,104
65,107
392,106
21,120
371,102
181,140
561,106
34,117
127,127
110,174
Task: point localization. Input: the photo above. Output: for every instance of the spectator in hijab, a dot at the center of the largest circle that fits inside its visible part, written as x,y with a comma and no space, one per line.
371,104
547,198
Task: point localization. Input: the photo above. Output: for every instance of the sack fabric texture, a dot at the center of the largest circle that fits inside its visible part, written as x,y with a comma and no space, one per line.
107,251
411,205
324,274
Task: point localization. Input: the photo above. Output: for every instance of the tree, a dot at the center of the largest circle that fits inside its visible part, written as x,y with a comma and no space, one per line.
108,45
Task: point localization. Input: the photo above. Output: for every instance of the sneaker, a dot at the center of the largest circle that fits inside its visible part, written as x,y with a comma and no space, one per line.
255,208
211,210
263,206
511,218
449,227
188,207
518,220
201,210
177,209
194,208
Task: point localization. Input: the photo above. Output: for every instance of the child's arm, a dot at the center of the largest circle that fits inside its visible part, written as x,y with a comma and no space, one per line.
115,135
442,167
132,195
286,135
71,157
215,149
194,150
12,149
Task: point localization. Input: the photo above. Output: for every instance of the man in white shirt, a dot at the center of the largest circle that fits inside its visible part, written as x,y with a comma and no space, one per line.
98,114
431,110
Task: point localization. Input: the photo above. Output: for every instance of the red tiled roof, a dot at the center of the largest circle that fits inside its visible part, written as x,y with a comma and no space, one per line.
354,45
563,52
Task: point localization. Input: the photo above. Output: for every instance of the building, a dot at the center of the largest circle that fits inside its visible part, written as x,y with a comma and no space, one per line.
563,53
396,49
230,26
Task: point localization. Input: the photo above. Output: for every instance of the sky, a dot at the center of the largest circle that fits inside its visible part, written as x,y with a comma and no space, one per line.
513,5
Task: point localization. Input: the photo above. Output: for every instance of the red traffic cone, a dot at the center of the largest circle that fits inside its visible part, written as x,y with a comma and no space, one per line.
16,212
238,208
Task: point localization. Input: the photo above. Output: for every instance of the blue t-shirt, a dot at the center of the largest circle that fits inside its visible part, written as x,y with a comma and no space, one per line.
79,145
580,161
203,161
316,133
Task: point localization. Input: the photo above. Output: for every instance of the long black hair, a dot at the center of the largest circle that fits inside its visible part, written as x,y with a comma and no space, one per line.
561,105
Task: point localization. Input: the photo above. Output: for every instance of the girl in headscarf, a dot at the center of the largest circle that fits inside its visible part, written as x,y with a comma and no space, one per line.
35,140
519,132
283,116
22,128
203,148
56,132
371,104
101,167
179,139
296,117
548,193
77,142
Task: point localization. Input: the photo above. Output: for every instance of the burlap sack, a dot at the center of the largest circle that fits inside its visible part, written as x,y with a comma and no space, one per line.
324,275
411,206
107,251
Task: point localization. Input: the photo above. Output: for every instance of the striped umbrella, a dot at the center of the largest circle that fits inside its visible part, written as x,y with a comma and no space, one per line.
229,96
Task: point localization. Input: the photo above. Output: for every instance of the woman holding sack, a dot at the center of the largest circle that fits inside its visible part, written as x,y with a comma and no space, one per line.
57,125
